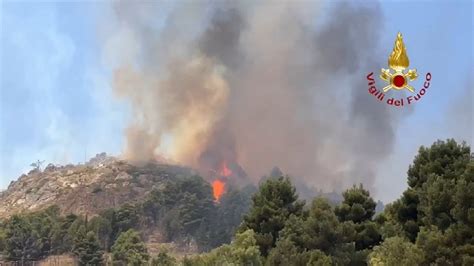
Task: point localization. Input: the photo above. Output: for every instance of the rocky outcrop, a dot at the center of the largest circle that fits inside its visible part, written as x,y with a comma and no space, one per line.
86,189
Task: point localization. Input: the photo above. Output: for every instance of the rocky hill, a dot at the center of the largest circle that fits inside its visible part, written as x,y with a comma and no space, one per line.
86,189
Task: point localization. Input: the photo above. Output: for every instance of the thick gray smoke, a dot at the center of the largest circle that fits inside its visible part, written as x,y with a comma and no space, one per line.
256,83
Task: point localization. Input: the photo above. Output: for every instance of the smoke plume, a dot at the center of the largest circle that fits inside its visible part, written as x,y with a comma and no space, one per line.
257,83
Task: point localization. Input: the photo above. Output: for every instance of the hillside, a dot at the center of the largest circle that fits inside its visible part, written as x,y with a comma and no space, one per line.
103,182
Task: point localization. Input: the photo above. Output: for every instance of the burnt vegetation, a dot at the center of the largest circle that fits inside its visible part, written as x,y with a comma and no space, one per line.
430,224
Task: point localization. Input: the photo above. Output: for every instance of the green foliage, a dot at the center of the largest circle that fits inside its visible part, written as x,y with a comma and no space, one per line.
229,214
102,227
357,206
275,201
242,251
3,239
436,202
396,251
432,179
183,209
433,243
87,248
463,210
286,253
322,230
436,210
163,259
444,158
455,246
431,224
367,235
30,237
388,226
23,243
126,217
356,211
64,231
404,212
129,249
319,230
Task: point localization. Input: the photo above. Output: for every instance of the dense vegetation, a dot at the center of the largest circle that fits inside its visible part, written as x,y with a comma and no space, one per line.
432,223
183,211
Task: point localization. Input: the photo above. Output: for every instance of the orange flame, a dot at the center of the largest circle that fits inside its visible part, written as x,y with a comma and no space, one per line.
218,188
218,185
225,171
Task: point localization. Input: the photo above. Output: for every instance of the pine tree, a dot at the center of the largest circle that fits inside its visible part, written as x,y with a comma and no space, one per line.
163,259
87,248
275,201
23,243
359,208
357,205
396,251
130,249
432,179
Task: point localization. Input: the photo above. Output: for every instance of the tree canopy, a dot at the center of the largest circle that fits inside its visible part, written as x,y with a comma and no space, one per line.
432,223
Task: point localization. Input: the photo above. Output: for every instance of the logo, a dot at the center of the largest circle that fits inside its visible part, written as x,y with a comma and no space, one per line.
398,77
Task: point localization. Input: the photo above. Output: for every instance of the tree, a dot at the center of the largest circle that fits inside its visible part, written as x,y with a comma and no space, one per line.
436,209
359,208
23,243
319,230
404,211
286,253
126,217
87,249
322,230
37,165
3,239
274,202
396,251
357,205
62,241
436,202
44,223
130,249
229,213
163,259
103,229
242,251
431,179
184,209
444,158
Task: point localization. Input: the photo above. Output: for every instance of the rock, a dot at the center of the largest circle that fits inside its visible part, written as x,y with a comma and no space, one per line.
69,187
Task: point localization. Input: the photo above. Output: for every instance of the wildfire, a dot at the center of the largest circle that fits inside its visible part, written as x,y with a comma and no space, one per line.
225,171
218,185
218,188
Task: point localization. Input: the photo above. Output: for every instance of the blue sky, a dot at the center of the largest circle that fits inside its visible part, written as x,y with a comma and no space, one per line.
56,103
55,93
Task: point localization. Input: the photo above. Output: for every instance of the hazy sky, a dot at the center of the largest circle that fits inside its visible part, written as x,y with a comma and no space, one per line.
56,103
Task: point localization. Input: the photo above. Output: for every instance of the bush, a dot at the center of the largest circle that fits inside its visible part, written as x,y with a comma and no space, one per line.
396,251
130,249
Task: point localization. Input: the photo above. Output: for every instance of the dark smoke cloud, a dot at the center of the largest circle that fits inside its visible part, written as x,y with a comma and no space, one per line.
258,83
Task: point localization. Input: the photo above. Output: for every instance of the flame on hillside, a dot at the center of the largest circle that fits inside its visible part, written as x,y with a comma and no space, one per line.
218,188
204,94
218,185
225,171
